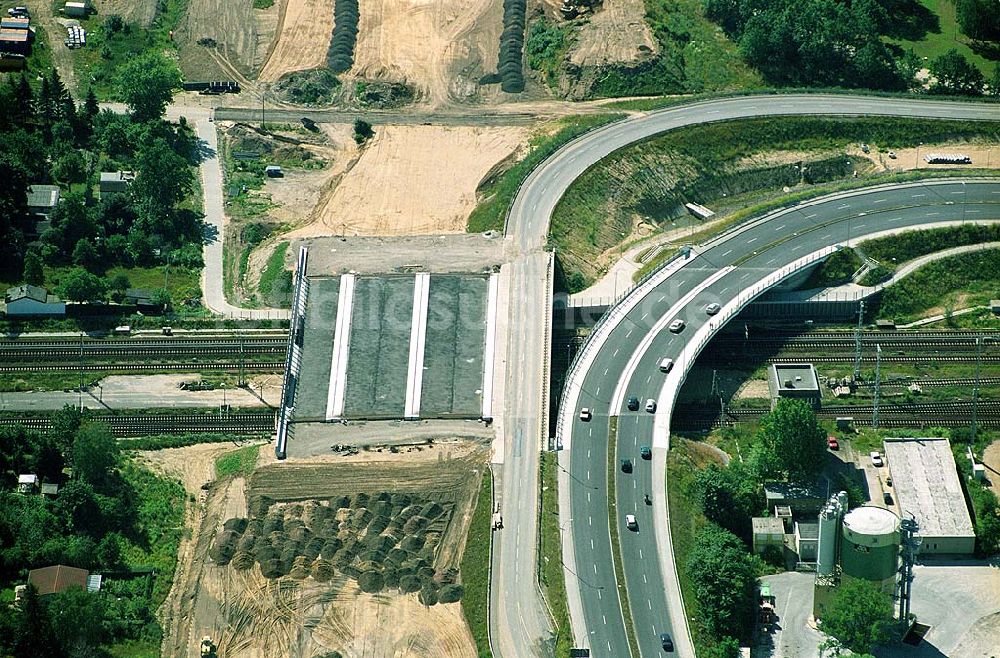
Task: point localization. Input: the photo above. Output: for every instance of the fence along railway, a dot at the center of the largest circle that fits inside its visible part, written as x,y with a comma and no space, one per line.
239,423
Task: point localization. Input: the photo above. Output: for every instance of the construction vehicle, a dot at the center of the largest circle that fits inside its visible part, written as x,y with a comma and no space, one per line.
207,647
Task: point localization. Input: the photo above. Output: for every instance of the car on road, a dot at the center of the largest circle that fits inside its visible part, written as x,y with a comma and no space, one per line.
633,403
651,405
677,326
712,309
666,364
631,523
666,642
876,458
645,452
832,443
626,466
585,415
887,498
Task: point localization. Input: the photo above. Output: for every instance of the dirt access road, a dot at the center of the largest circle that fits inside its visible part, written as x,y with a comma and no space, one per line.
252,616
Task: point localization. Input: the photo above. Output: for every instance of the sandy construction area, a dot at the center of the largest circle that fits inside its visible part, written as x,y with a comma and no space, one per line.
248,615
304,34
413,180
616,34
441,48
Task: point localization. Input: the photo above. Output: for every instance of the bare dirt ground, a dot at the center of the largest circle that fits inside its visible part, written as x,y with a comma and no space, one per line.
617,34
304,31
249,615
413,180
243,36
441,48
141,12
991,458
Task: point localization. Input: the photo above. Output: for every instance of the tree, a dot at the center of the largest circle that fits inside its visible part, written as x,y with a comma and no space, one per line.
85,255
728,496
163,181
79,285
725,578
65,424
362,131
145,84
79,619
995,82
979,19
95,455
859,617
956,75
34,631
70,167
791,442
34,274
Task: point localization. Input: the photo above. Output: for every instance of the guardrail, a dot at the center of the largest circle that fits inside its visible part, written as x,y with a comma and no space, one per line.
293,355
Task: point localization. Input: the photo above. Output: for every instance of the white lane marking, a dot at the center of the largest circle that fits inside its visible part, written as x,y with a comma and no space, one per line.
606,371
780,227
644,578
770,261
640,553
616,352
917,196
590,520
723,291
598,392
751,240
972,212
843,207
591,544
727,253
644,315
860,226
894,219
629,333
811,216
588,474
932,214
662,297
649,378
825,236
595,571
880,200
796,247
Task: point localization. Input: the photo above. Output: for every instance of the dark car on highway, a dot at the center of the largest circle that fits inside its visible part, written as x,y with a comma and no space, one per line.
667,642
626,466
633,403
645,452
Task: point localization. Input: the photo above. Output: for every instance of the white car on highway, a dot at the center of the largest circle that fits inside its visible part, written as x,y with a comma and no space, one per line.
677,326
630,522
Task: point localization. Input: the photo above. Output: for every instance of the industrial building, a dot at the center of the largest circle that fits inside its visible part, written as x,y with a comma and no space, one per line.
767,531
793,380
928,489
27,301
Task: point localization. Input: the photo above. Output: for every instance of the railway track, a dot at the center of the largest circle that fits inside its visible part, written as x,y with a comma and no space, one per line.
968,381
92,349
920,414
242,423
711,356
131,368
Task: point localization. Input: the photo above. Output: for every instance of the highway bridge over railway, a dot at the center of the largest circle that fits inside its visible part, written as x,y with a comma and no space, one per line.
619,359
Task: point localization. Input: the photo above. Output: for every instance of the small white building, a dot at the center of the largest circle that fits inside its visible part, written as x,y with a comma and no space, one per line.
28,301
27,483
767,531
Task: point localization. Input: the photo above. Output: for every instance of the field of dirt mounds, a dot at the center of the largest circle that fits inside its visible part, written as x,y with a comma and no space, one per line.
296,559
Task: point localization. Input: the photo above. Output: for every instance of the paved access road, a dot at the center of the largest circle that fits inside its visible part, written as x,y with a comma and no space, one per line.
727,267
515,635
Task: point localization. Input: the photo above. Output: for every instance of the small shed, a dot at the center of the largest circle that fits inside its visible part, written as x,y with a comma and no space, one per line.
42,199
801,499
995,306
806,541
14,23
274,171
794,380
767,531
50,489
75,9
27,483
143,300
115,182
14,41
57,578
27,301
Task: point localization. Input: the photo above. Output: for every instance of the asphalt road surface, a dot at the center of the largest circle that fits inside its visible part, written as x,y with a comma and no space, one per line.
527,227
755,251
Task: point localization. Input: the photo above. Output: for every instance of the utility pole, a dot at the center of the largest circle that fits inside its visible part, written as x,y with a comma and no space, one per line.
975,388
878,380
242,381
80,389
857,341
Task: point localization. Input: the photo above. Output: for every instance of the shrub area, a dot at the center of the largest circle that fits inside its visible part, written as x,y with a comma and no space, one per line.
971,279
834,271
475,568
510,66
894,250
313,87
546,48
340,56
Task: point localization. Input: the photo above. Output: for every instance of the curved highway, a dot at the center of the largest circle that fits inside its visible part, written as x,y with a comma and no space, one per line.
518,627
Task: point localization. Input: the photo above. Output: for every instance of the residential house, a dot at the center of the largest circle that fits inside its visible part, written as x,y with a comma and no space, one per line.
57,578
27,301
115,182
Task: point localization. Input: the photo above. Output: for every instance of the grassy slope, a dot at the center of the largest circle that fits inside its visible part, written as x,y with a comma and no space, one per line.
941,38
653,178
957,282
475,568
550,538
237,462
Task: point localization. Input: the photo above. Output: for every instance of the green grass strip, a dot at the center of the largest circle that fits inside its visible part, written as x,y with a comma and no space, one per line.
237,462
551,574
616,555
491,213
475,568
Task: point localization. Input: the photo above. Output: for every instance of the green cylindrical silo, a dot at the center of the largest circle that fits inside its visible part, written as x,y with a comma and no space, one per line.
870,547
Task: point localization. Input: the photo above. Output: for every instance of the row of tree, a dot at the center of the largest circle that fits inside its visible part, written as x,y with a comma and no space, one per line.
510,66
838,44
340,55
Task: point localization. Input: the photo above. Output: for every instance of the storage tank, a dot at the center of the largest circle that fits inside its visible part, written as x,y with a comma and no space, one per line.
829,523
870,546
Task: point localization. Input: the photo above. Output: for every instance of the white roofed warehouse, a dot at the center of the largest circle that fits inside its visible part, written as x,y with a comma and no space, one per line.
927,486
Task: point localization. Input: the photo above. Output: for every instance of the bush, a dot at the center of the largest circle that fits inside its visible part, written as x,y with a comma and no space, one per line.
428,594
409,584
224,547
450,593
322,570
510,65
340,56
371,582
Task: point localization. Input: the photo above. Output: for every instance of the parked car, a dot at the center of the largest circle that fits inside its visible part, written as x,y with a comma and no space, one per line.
633,403
887,498
651,405
876,458
712,309
645,452
585,415
631,523
677,326
832,443
666,642
626,466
